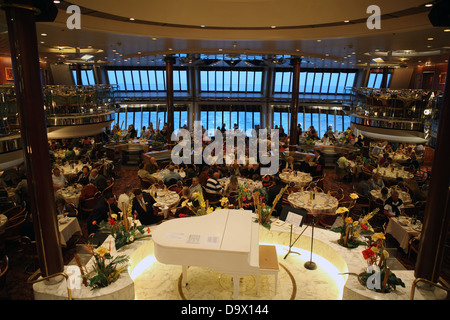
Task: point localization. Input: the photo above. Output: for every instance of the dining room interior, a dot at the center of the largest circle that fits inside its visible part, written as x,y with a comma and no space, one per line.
299,152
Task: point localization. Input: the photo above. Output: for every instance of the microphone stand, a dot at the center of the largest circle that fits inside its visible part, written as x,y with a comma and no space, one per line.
311,265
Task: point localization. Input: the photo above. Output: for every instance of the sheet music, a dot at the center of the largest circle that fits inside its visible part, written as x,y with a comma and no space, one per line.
294,219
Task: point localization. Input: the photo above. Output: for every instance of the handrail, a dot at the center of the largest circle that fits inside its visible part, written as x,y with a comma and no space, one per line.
31,280
413,287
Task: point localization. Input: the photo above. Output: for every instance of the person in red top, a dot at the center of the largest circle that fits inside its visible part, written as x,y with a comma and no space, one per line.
88,191
203,176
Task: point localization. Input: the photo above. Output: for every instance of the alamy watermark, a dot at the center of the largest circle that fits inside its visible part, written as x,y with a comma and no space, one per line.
374,20
213,153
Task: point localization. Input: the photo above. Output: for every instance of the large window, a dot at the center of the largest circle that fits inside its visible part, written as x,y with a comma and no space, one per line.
245,117
230,80
326,82
87,77
376,78
141,115
146,80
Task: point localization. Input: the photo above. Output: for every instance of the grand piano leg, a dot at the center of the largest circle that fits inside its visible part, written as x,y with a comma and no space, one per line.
184,269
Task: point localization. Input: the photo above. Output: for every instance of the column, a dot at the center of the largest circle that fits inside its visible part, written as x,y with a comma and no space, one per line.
78,73
169,91
294,106
384,79
437,211
30,107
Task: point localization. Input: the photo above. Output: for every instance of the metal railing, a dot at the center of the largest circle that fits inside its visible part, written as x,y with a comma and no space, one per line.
417,280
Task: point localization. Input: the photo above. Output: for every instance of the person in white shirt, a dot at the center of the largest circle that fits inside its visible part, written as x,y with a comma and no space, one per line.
124,198
59,180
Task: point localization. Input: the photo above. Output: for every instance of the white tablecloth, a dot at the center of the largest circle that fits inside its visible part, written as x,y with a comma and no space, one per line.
165,197
301,179
406,198
403,233
3,222
71,194
322,204
68,229
160,174
251,185
393,173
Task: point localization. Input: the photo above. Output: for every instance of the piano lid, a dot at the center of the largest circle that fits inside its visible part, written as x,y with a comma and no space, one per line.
224,230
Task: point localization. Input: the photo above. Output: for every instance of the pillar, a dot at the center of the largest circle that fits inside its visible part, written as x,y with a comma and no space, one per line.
169,92
30,107
384,79
437,211
293,137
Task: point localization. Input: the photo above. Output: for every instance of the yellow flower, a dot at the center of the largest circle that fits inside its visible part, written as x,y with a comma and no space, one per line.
355,223
375,249
223,201
378,236
210,209
354,196
356,235
185,203
195,195
341,210
385,254
348,220
101,251
114,216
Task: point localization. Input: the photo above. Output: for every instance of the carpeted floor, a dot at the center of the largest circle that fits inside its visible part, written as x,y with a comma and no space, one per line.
17,288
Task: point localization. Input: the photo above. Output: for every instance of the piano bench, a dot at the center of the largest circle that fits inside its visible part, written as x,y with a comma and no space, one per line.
268,263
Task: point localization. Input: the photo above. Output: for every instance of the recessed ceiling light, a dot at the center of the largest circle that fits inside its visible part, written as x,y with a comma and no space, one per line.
42,42
131,19
43,34
318,40
202,26
346,21
154,39
430,39
273,27
220,49
446,30
429,5
139,52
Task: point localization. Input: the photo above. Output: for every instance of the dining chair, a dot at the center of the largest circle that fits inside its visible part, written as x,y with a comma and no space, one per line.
29,249
12,231
4,267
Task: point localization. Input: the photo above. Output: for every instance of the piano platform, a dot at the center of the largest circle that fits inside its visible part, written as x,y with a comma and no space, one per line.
224,240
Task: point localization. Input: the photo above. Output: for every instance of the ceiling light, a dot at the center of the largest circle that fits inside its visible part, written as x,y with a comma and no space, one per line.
56,1
429,5
43,34
273,27
131,19
202,26
346,21
446,30
154,39
139,52
430,39
318,40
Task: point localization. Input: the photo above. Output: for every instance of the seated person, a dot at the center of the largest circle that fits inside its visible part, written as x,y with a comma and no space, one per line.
384,194
232,186
213,185
70,154
257,181
288,165
343,163
59,180
102,212
204,176
143,206
172,177
62,207
144,174
393,206
363,187
304,165
98,180
234,169
195,186
83,178
152,166
124,198
254,168
384,160
377,182
88,191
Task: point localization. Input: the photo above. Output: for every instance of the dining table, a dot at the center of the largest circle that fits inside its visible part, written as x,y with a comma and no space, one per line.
249,183
321,202
403,195
301,179
71,193
164,197
393,173
68,227
3,222
160,174
403,229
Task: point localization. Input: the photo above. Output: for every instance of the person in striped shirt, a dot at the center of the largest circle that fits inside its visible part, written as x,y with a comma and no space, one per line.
213,185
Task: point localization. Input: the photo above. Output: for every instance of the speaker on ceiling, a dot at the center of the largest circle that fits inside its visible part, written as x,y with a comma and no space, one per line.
439,15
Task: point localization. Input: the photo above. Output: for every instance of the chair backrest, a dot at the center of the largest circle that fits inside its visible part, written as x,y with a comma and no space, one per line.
14,211
4,266
12,231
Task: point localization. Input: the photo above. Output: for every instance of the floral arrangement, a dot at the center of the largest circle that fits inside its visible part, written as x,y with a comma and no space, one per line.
203,208
243,194
125,232
106,269
376,256
263,210
352,231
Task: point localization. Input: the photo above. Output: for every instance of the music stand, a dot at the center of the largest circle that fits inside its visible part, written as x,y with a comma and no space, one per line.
290,215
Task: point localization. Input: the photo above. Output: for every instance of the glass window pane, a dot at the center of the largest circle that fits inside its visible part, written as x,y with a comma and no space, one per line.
152,80
341,83
278,83
346,122
388,80
183,118
309,82
317,82
285,122
145,118
161,120
249,121
287,79
323,124
176,80
378,80
74,75
153,120
90,76
120,80
258,81
250,81
176,120
339,123
130,118
111,77
183,80
333,83
204,80
128,80
219,80
226,120
138,123
371,80
307,121
257,119
234,119
226,81
276,120
234,80
161,80
211,120
121,120
242,80
218,119
325,82
315,121
350,80
241,120
84,78
204,119
302,82
144,80
136,80
211,81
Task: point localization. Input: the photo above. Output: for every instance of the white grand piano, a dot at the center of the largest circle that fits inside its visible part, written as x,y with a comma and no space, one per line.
224,240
